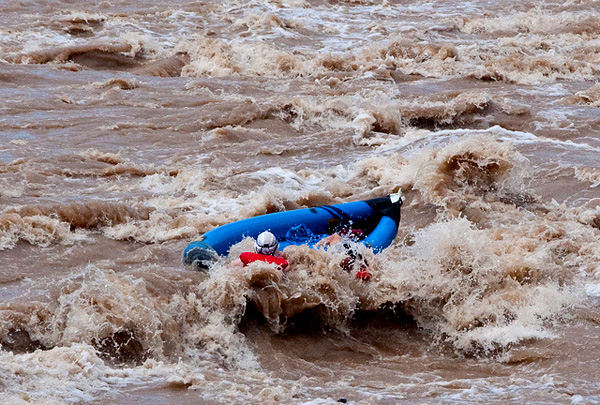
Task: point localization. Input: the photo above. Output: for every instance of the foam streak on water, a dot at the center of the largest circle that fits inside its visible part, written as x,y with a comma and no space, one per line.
128,129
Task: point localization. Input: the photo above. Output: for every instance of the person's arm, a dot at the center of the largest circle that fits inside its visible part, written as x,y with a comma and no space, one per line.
330,240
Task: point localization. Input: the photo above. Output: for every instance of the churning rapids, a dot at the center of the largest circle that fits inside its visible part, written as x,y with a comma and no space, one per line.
128,128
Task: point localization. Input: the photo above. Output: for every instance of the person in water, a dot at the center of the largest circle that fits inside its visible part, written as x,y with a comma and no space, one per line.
353,260
267,244
266,249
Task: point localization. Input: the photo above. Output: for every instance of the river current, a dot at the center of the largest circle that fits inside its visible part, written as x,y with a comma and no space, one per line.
128,128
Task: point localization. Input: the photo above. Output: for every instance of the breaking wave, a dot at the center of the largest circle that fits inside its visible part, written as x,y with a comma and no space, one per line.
44,225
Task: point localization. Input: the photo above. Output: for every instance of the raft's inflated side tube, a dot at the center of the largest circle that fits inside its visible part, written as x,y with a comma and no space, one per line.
386,230
217,242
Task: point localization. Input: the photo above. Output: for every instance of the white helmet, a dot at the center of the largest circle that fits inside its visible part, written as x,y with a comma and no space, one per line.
266,244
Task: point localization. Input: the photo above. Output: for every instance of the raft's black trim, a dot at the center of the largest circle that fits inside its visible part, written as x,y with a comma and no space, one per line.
386,207
337,213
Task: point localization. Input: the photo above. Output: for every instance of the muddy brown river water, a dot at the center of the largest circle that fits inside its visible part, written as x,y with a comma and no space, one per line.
129,128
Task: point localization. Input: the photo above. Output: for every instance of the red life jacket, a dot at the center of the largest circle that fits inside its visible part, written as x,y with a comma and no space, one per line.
250,257
363,274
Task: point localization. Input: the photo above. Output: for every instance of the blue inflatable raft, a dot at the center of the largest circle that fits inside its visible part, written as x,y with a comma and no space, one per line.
378,218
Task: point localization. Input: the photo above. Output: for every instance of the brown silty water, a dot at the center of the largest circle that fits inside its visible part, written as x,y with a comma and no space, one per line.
129,128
